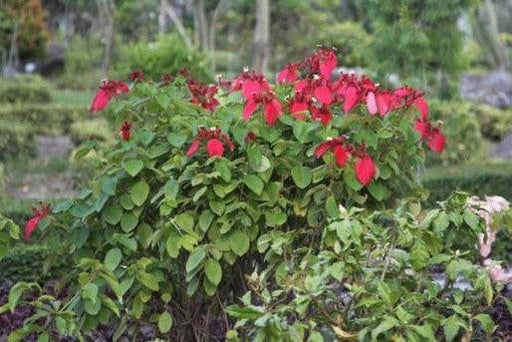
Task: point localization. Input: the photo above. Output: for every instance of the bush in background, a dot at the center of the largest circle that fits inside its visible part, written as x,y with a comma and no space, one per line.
477,179
25,90
166,55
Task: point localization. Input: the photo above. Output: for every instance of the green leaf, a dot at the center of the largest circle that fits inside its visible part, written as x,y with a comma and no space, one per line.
425,331
129,221
254,183
205,220
44,337
451,327
441,222
165,322
139,193
387,324
252,312
378,190
302,176
148,280
223,168
486,322
472,220
213,271
112,214
185,221
195,259
239,242
217,207
90,291
173,246
113,258
349,177
331,207
133,166
254,156
275,218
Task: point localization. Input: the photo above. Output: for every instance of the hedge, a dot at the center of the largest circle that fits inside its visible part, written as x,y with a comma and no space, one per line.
19,123
476,179
24,90
32,263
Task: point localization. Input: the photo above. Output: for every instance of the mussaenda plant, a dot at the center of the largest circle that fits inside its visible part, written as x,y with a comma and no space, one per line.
169,226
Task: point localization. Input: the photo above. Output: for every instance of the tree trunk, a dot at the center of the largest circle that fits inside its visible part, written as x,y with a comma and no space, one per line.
106,10
169,10
261,42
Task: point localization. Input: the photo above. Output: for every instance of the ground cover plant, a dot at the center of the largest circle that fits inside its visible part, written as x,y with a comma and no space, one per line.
248,210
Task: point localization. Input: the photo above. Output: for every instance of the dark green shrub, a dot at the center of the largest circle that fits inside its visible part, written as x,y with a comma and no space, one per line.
32,263
167,55
494,123
24,90
15,138
97,129
492,179
43,118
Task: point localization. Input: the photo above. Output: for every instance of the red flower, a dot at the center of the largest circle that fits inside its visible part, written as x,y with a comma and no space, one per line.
323,95
322,63
323,114
250,137
167,78
136,75
351,98
184,72
337,146
432,135
436,140
126,131
215,141
33,222
289,74
341,155
214,147
258,93
365,170
107,90
203,95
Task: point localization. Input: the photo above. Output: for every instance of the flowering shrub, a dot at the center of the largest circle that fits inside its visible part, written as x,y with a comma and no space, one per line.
202,178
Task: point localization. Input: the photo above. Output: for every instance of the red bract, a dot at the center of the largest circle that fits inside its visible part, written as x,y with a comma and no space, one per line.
337,146
33,222
214,147
137,75
289,74
105,93
322,63
203,95
322,114
215,141
126,131
167,78
432,135
258,93
365,170
436,141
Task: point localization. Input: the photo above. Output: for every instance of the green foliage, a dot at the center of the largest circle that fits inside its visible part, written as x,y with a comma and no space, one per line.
422,35
155,223
33,263
372,277
91,129
166,55
477,179
9,231
494,123
462,130
16,138
24,89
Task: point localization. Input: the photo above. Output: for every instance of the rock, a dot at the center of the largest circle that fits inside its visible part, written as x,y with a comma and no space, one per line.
55,59
494,88
53,147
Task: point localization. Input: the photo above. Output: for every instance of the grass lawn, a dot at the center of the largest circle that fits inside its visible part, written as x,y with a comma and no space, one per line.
72,97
